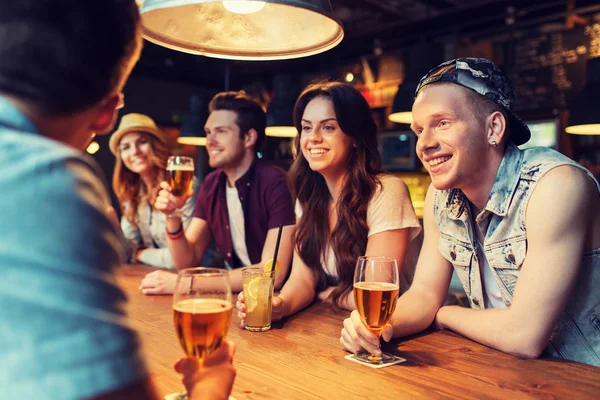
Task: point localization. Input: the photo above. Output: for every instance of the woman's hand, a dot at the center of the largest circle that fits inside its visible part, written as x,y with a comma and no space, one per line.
213,380
278,309
158,282
241,307
169,203
356,336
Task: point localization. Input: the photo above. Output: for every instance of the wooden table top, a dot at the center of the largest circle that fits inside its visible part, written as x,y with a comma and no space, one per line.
302,358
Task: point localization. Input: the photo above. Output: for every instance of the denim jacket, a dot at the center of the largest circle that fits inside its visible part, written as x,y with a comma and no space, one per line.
577,335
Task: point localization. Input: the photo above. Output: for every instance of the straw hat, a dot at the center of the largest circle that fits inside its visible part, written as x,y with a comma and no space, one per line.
135,123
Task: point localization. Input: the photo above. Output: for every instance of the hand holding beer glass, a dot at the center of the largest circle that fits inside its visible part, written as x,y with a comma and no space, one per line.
376,289
201,310
181,176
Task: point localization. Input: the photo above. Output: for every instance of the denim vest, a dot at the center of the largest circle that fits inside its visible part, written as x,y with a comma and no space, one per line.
577,335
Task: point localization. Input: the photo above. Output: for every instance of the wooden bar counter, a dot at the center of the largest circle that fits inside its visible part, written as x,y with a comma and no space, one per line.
302,358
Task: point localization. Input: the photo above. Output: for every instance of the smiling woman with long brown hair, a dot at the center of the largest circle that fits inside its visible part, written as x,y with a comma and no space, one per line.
346,205
141,153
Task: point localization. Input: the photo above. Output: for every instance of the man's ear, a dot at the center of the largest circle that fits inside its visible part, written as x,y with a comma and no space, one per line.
250,138
106,114
496,127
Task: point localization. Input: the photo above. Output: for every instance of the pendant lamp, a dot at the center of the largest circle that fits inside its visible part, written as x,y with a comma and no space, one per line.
280,112
584,117
418,59
242,29
192,126
403,100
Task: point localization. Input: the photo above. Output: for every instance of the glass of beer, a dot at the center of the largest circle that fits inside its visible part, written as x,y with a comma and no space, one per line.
201,310
258,292
376,290
181,175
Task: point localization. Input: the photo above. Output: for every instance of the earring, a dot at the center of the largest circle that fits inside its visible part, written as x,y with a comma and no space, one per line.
493,143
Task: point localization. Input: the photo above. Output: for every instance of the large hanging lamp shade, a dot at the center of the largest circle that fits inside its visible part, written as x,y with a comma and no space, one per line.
272,30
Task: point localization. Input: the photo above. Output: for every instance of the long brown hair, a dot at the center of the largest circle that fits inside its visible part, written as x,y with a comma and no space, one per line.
128,185
348,238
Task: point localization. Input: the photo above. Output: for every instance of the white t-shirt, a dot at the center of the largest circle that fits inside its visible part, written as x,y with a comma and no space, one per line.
389,209
491,295
236,225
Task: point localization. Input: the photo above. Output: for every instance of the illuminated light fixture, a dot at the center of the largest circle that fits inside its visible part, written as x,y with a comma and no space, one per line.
93,147
192,127
402,117
584,118
280,112
194,141
243,6
402,105
418,59
282,29
281,131
585,129
349,77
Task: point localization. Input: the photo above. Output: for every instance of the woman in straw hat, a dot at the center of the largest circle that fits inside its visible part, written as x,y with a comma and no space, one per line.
141,151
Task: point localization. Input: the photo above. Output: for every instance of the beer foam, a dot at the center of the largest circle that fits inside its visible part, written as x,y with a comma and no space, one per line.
180,168
381,286
202,306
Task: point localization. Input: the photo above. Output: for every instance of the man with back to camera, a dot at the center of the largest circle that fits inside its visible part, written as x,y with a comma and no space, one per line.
520,228
63,65
240,205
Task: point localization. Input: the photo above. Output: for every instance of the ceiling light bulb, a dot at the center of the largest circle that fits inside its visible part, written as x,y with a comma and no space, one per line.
243,6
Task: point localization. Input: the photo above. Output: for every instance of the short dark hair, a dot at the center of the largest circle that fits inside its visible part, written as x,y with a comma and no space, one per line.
483,107
250,114
63,56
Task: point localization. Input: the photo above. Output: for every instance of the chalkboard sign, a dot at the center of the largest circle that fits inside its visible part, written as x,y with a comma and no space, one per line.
549,70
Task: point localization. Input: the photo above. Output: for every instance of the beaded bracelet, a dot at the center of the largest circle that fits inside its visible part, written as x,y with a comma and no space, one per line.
177,234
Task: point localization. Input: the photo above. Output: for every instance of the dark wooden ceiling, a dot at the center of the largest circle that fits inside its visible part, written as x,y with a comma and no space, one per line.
373,26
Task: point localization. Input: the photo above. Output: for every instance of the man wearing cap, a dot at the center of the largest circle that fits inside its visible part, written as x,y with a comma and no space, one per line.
521,229
240,205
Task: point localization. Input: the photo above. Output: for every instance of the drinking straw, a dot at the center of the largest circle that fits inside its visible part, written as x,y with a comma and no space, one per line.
276,248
